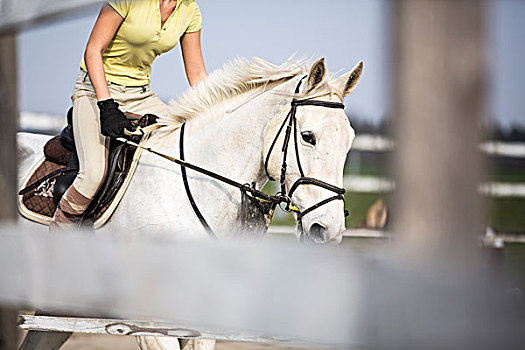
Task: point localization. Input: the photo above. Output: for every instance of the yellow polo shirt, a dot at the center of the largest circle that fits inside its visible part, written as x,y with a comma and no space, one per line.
140,38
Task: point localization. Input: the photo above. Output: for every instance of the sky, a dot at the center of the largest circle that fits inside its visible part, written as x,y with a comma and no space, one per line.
507,61
342,31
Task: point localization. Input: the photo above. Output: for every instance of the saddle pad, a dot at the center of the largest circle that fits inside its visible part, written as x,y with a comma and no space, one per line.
40,200
37,205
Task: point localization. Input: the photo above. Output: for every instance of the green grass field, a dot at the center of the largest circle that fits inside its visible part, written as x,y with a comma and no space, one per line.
506,175
356,203
506,214
502,214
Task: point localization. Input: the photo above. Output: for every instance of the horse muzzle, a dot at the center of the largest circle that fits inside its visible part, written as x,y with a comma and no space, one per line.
318,234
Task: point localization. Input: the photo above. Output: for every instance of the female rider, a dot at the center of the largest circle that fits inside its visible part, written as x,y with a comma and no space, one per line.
114,77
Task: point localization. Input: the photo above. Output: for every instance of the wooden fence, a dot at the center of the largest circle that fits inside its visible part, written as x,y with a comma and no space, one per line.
231,290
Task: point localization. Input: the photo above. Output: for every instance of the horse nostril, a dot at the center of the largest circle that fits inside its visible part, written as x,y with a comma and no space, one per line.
317,231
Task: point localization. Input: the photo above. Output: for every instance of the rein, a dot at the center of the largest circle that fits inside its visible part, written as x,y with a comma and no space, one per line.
243,187
280,197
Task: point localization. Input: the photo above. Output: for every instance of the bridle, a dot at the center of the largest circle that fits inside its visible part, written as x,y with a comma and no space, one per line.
291,122
281,197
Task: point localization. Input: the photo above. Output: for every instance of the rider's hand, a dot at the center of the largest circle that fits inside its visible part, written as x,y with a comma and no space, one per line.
112,119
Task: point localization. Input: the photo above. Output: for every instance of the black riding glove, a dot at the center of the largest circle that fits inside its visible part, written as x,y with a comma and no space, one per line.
112,120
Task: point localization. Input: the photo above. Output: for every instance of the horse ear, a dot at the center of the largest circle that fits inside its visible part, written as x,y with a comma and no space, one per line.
316,74
347,83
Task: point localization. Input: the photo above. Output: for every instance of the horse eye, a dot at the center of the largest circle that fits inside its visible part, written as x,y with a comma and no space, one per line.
309,137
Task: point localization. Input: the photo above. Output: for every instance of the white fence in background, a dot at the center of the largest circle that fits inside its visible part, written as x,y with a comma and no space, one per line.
377,143
358,183
52,124
502,189
490,239
504,149
372,143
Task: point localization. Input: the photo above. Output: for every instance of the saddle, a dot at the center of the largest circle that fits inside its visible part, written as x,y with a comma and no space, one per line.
49,179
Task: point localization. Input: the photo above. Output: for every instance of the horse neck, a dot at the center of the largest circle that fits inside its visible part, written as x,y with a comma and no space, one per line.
233,144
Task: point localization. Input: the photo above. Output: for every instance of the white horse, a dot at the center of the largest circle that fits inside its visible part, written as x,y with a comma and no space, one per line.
232,119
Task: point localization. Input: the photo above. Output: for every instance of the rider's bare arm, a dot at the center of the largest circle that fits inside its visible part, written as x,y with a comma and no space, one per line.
106,26
192,54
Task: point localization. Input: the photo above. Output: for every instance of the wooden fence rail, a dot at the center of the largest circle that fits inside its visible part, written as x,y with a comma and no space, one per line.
137,328
247,290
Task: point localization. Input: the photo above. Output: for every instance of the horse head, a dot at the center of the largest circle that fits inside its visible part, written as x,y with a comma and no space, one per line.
319,139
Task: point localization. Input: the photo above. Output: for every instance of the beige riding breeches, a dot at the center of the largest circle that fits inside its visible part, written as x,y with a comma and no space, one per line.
92,146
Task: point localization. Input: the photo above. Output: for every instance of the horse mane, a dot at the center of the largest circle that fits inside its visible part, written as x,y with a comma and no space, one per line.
234,78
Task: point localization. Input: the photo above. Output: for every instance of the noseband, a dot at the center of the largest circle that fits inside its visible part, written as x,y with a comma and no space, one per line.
291,120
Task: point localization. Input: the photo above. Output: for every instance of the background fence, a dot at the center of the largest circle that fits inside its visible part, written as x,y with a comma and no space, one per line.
361,185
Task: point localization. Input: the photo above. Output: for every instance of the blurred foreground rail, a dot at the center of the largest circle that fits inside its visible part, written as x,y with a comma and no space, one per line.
134,328
252,291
